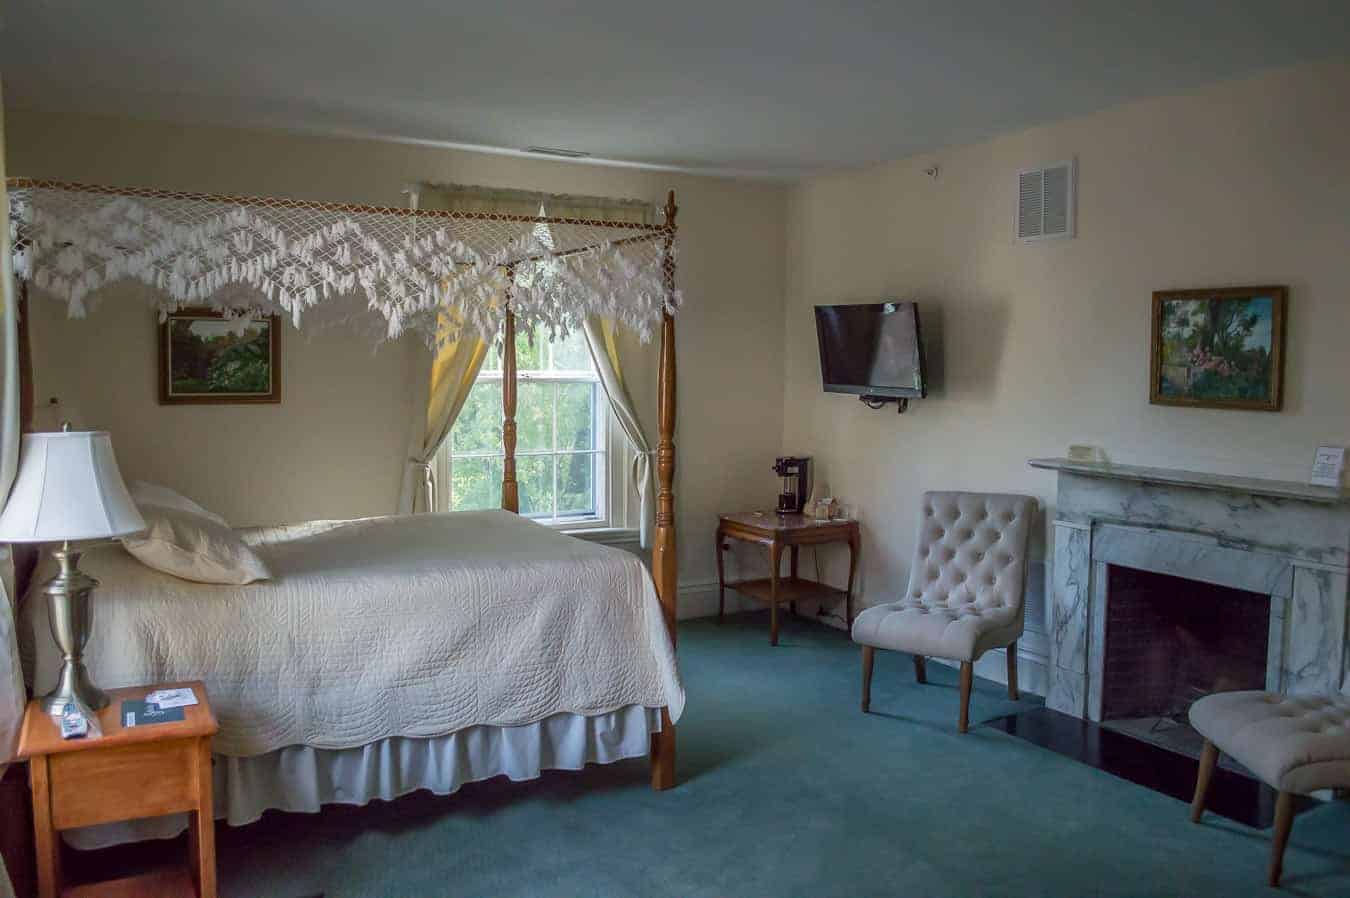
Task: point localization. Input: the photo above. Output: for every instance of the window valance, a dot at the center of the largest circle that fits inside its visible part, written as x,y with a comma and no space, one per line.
476,198
433,270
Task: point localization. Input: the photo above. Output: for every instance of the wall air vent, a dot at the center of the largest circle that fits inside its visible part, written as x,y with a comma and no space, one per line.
1045,201
557,151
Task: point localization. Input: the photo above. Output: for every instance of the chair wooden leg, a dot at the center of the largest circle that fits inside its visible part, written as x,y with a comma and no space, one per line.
1012,672
967,677
867,657
1208,758
1284,821
920,669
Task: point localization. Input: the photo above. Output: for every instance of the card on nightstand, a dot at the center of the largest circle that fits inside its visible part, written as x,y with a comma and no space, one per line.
139,713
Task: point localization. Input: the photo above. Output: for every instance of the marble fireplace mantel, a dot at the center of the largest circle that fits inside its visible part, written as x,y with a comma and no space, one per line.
1289,541
1255,486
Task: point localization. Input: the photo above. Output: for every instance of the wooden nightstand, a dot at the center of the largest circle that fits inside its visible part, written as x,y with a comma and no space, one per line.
143,771
791,531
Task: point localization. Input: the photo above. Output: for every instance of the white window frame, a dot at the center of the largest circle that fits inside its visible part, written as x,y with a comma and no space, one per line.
615,508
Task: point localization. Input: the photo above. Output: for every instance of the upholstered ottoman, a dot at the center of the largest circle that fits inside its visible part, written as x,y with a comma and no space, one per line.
1296,744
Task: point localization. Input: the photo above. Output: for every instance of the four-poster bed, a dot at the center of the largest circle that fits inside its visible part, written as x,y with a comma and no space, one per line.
444,274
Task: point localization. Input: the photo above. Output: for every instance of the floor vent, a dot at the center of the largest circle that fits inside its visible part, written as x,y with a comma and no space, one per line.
1045,201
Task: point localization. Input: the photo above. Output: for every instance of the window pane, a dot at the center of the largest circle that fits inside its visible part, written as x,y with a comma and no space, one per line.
534,475
576,484
534,416
576,416
529,358
479,425
559,470
570,353
475,484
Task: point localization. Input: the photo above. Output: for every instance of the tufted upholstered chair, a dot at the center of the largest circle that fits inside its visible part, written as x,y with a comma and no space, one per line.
965,590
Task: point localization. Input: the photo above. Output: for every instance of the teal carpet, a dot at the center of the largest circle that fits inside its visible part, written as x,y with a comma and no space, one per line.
786,789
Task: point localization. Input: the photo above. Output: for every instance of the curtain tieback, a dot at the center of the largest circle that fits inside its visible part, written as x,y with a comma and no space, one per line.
428,482
642,469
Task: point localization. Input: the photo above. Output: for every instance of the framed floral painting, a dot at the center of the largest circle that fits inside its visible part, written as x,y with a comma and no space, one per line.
1219,348
206,358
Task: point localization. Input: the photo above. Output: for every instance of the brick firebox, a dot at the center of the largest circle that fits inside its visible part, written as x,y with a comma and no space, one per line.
1170,640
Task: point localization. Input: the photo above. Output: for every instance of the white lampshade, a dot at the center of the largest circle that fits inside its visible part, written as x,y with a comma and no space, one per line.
68,488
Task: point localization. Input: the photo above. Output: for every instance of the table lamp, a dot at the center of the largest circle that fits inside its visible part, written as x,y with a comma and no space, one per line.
68,488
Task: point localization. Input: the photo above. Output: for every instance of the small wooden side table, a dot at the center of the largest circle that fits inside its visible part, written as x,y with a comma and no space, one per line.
778,532
143,771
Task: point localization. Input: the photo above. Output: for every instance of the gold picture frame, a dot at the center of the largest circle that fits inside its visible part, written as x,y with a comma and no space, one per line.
1219,347
205,358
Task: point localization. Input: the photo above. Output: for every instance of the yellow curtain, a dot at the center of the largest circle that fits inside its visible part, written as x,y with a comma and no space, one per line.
454,369
453,373
604,347
607,329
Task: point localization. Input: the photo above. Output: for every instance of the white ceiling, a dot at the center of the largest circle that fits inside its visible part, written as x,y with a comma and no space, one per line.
755,87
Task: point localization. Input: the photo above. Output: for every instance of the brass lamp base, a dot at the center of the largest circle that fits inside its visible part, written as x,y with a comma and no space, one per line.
68,605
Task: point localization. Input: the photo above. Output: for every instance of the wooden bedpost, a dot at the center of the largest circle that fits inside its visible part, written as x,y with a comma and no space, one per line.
510,489
665,569
25,554
25,362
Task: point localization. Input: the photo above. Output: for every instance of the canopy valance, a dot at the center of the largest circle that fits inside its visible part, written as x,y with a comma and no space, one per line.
433,270
476,198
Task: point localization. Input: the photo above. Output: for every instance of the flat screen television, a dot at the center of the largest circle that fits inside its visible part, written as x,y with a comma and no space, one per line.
873,350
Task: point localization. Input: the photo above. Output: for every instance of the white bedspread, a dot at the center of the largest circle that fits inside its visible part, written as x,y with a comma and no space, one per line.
414,625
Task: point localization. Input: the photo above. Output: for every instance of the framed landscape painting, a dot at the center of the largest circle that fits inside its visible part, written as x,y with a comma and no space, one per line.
206,358
1219,348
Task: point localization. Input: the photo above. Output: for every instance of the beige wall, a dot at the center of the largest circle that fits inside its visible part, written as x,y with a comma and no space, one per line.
1033,347
333,447
1037,346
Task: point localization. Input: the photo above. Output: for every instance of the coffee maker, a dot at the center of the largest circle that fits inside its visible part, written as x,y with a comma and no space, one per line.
796,483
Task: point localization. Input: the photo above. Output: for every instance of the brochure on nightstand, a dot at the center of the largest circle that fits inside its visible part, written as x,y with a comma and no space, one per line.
137,713
172,698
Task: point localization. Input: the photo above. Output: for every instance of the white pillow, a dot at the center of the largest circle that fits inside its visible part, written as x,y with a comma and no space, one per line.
194,546
143,494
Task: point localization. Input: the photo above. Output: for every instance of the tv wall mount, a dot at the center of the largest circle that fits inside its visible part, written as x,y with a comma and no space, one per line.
876,402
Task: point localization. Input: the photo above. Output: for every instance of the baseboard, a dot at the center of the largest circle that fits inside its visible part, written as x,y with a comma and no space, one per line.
1033,669
698,598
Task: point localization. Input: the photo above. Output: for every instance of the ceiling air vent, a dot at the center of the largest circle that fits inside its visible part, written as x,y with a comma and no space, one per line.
1045,202
557,151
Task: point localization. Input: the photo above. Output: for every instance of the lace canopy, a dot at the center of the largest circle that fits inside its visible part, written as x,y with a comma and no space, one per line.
386,269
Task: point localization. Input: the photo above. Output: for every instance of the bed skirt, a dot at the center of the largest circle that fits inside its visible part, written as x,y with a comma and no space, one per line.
303,779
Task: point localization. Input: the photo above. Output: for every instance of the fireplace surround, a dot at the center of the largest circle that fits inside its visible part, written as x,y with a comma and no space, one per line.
1286,542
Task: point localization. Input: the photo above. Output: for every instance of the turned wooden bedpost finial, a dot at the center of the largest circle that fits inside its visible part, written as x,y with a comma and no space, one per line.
665,571
670,211
510,489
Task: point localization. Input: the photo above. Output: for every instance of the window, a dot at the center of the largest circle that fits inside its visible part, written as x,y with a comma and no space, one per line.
561,436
